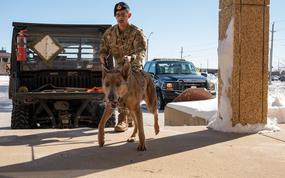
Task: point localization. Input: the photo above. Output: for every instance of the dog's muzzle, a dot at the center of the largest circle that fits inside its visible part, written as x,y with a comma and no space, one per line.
112,99
114,104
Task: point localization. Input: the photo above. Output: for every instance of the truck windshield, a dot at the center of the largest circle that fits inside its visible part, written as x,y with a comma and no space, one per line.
176,68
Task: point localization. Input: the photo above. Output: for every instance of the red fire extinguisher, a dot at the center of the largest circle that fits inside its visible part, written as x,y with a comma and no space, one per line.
22,46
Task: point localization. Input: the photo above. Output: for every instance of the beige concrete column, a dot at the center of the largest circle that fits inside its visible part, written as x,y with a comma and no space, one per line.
243,60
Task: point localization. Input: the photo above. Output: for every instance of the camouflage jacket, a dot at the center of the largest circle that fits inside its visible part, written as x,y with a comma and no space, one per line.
131,42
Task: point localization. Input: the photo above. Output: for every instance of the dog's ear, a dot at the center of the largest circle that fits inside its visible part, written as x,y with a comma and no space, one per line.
126,70
104,70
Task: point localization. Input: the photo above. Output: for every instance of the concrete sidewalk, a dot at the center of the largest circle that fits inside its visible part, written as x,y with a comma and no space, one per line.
175,152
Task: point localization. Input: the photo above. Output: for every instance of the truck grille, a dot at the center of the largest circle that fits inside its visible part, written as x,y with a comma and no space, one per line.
181,86
78,79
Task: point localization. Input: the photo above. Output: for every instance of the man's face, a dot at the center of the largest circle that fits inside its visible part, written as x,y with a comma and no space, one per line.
122,16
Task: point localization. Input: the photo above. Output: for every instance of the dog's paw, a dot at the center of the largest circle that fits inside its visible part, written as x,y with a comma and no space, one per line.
156,129
141,147
131,139
101,143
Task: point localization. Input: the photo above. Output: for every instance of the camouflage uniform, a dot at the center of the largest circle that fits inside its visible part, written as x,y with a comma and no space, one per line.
130,42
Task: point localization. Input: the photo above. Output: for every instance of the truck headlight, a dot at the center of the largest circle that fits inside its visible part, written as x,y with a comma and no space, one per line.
211,86
169,86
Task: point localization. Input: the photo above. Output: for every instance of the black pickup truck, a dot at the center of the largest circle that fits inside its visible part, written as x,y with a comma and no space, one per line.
173,76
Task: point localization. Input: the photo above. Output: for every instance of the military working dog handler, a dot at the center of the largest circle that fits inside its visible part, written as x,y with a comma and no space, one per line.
123,41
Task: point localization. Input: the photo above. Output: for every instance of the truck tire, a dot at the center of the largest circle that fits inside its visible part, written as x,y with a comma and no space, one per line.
160,102
111,122
20,117
99,113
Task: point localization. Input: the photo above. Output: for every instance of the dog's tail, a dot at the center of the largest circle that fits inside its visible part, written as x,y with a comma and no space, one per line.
150,95
151,101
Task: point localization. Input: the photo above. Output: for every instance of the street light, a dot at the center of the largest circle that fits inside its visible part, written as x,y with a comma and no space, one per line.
271,52
147,42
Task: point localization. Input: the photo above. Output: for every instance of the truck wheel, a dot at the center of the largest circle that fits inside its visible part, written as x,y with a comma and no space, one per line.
111,122
160,101
99,113
20,117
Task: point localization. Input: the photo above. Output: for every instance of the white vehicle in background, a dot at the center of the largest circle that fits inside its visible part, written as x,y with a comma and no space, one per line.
212,81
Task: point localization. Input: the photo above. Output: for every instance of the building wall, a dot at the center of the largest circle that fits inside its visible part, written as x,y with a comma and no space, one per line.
4,62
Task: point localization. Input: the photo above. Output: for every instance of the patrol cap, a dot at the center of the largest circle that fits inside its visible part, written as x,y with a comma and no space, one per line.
121,6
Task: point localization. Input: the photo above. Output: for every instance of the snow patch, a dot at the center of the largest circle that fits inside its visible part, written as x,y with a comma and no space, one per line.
204,109
225,53
4,80
226,126
276,101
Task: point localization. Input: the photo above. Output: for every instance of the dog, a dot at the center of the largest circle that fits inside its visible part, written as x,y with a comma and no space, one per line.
122,85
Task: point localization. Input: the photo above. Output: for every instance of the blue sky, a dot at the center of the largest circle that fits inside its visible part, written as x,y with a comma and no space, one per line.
191,24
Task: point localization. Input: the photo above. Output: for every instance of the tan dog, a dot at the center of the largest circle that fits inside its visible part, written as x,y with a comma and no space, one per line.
124,85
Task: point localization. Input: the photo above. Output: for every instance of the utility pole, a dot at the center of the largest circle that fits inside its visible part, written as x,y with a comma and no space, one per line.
207,66
278,66
271,53
181,57
147,43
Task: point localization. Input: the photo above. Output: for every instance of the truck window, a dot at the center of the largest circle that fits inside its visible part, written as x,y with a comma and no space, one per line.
152,68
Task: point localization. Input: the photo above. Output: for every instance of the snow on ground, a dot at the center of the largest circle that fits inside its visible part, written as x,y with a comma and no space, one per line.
4,80
276,113
276,101
226,56
5,103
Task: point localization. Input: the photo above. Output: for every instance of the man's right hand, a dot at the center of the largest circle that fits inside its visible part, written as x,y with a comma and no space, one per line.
103,60
127,58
